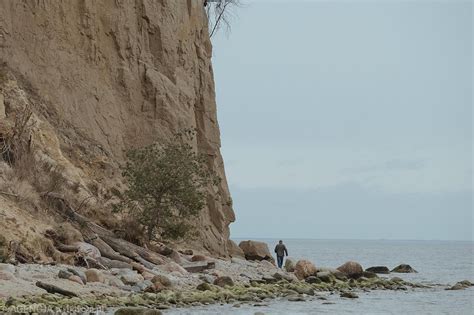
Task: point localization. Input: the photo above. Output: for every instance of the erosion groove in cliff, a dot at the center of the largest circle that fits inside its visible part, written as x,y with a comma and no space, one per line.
101,77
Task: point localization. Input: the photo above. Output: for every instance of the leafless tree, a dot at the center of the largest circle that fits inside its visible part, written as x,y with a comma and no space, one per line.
219,14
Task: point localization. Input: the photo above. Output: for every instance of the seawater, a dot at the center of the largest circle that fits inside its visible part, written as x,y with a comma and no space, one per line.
437,262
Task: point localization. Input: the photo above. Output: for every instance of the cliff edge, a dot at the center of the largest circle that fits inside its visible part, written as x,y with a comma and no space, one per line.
101,77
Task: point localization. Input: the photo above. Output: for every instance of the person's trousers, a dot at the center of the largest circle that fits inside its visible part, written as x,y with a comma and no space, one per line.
280,261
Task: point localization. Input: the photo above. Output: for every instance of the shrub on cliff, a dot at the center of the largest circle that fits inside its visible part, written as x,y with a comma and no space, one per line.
168,185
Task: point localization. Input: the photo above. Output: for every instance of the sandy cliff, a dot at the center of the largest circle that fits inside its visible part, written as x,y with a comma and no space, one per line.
104,76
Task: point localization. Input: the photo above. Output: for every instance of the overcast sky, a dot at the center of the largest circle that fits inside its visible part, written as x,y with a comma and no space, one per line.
348,119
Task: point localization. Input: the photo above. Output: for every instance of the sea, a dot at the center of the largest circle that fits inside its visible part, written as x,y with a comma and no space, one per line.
439,263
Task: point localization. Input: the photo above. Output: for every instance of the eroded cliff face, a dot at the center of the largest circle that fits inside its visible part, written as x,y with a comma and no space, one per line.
105,76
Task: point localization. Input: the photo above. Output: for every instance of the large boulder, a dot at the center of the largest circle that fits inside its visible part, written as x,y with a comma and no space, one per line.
351,269
254,250
403,268
234,250
378,269
289,265
304,269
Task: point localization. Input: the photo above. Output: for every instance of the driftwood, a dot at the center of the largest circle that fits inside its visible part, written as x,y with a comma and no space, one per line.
106,242
54,289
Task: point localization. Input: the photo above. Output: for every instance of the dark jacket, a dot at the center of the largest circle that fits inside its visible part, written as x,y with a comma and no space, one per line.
280,250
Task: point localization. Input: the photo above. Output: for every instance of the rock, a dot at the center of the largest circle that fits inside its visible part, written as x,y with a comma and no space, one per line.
267,264
155,287
147,275
313,279
94,275
199,258
115,282
296,299
5,275
254,250
78,273
378,269
304,269
7,267
136,311
461,285
304,290
234,250
369,275
325,276
144,285
396,279
206,278
173,267
187,252
198,266
289,265
164,280
131,278
284,276
64,274
336,273
403,268
138,267
349,295
224,281
76,279
269,280
351,269
204,287
176,257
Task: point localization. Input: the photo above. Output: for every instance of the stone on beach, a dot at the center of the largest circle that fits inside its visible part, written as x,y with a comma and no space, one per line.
289,265
94,275
404,268
349,295
461,285
199,258
136,311
351,269
304,269
165,281
254,250
224,281
78,273
173,267
378,269
64,274
76,279
235,250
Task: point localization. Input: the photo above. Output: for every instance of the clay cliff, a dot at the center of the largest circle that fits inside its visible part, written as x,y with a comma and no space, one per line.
96,78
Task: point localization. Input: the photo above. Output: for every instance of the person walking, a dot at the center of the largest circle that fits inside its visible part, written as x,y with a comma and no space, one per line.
281,252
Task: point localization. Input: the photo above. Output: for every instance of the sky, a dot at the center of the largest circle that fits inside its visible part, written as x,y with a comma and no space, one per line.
348,119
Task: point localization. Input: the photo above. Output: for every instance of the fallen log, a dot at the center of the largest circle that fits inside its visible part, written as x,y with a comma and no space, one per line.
54,289
108,244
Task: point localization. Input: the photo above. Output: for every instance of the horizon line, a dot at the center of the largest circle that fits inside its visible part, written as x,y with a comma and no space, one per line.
353,239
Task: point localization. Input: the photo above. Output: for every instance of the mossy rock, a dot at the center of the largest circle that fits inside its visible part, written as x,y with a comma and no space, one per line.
204,287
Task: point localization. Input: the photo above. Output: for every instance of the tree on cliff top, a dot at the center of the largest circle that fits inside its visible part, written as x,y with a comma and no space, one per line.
219,13
168,186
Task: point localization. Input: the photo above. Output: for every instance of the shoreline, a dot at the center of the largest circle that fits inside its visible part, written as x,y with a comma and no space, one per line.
251,282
